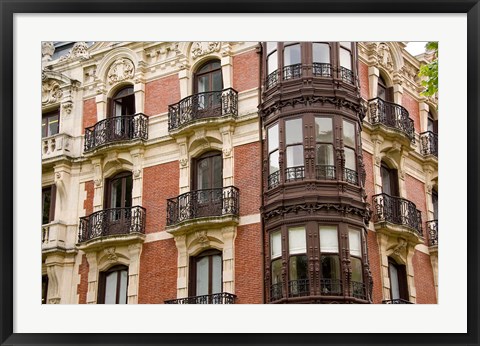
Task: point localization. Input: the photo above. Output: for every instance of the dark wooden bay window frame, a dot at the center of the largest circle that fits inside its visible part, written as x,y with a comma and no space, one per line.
293,172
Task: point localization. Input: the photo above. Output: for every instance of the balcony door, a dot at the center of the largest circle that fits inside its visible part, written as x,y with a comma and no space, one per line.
121,105
208,183
206,275
391,205
119,203
384,93
112,286
398,280
208,87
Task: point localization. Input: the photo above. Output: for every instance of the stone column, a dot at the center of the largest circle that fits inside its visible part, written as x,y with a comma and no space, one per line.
228,256
182,266
410,274
92,277
134,251
373,74
98,184
227,71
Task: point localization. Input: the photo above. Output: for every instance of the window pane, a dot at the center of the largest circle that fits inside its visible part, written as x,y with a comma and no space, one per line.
347,45
295,156
394,286
202,276
123,287
293,131
115,193
357,272
273,138
274,165
46,202
111,288
128,192
330,267
386,188
216,274
217,172
53,125
355,242
350,161
328,239
298,267
345,59
325,154
276,244
203,84
277,271
217,81
435,205
382,92
323,129
271,46
291,55
321,53
349,134
272,63
297,240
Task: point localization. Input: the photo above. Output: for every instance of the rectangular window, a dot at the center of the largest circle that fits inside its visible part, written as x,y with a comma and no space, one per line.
273,138
328,239
324,129
355,242
295,156
272,63
345,59
350,161
321,53
297,240
271,46
50,123
292,55
48,204
293,131
275,244
349,134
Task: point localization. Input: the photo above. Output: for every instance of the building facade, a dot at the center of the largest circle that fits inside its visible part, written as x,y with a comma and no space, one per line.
237,172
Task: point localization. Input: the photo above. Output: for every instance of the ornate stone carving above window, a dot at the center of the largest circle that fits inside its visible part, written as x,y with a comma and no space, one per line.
78,51
385,57
51,92
203,48
120,70
47,51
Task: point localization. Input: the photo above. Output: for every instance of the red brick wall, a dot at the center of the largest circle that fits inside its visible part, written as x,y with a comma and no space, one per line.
89,113
363,77
412,107
248,177
160,93
424,284
158,272
375,268
82,287
245,71
88,202
249,265
369,184
159,183
416,194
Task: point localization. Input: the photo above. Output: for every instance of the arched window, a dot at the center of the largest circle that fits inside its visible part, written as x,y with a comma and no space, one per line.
383,92
398,280
122,103
112,285
206,273
208,83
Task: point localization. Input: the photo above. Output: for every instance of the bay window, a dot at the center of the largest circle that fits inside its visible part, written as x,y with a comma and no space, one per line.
297,248
350,172
321,60
273,157
345,52
330,282
294,150
276,265
292,61
325,162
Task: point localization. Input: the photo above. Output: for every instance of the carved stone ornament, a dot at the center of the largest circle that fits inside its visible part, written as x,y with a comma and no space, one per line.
203,239
120,70
227,152
385,57
78,51
203,48
47,51
111,255
67,107
136,173
54,300
51,92
183,162
97,182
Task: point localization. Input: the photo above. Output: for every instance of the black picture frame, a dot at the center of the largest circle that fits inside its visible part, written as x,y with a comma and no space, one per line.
10,7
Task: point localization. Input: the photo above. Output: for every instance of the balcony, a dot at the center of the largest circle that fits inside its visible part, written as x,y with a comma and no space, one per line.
203,203
392,116
57,145
397,211
54,237
216,298
113,130
114,223
206,105
429,143
432,228
396,301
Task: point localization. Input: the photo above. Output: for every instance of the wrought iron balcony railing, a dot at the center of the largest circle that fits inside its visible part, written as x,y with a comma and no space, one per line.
292,71
212,104
432,227
351,176
346,75
331,287
299,288
391,115
359,290
273,179
276,291
325,172
116,129
112,222
216,298
322,69
295,173
396,301
429,141
203,203
398,211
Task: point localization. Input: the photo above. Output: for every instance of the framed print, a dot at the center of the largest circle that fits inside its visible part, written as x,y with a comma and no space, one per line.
271,170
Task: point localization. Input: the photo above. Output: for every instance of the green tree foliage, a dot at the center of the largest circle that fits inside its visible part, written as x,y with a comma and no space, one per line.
430,71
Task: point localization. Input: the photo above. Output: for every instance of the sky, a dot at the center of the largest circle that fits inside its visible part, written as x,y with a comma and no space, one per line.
416,48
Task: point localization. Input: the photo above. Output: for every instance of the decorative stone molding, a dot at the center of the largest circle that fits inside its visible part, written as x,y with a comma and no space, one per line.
111,255
203,48
202,238
385,57
67,107
184,162
120,70
78,51
51,92
47,50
